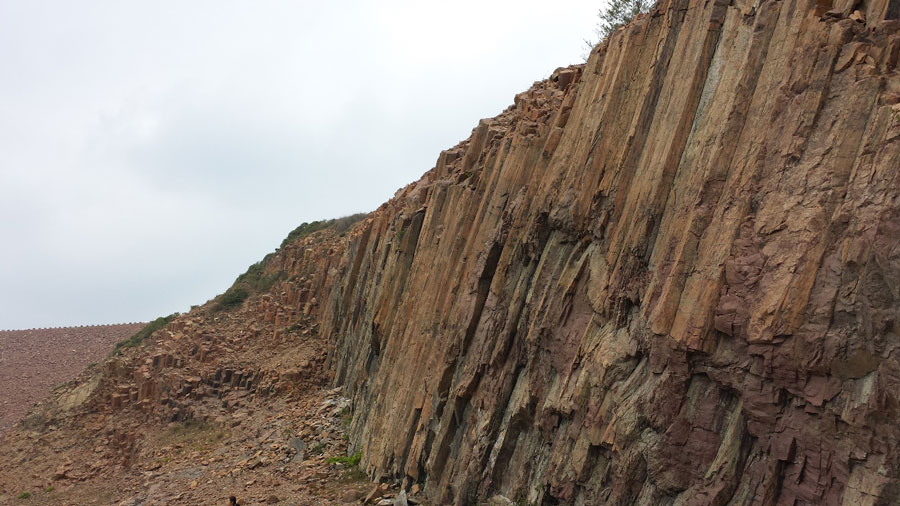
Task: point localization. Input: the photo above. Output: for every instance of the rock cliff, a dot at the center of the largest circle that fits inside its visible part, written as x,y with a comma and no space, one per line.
669,276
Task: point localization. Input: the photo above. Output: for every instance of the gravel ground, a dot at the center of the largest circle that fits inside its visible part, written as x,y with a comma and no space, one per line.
33,361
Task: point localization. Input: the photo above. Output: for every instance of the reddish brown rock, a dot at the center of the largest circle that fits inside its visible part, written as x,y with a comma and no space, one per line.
668,276
670,279
33,361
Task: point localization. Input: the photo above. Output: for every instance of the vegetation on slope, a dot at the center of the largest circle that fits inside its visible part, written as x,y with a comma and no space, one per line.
144,333
616,13
348,461
339,225
257,280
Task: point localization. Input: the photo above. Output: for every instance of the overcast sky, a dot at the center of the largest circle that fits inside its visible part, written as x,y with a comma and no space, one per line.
151,151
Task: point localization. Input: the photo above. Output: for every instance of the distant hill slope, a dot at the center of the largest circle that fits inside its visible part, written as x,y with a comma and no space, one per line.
35,360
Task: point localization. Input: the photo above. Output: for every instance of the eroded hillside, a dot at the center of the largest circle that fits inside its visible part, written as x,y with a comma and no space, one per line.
669,276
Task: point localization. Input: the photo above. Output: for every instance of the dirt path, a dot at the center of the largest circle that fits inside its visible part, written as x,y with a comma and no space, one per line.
33,361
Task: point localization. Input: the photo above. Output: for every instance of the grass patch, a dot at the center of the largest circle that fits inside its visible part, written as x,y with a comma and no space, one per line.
349,461
339,225
49,489
25,495
144,333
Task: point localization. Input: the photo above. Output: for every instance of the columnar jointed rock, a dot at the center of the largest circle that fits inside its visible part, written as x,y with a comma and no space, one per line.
668,277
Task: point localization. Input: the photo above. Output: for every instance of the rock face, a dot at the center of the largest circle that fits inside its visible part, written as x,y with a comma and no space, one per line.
670,276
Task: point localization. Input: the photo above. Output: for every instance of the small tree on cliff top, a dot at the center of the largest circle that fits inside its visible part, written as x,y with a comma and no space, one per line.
616,13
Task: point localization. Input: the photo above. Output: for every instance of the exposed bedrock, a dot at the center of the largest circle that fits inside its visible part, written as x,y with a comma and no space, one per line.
670,276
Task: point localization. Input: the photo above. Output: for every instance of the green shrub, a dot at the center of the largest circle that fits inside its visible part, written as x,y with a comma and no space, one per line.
339,225
350,461
259,279
255,280
24,495
144,333
304,230
616,13
232,297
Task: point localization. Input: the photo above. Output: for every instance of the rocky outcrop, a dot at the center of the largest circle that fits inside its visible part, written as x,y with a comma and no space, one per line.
669,276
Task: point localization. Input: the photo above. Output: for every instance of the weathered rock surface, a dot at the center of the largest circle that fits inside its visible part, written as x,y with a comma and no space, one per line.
669,276
215,404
